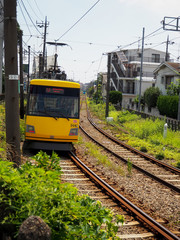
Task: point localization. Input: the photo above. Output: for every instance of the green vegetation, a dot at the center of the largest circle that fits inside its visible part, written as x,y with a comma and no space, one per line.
35,189
168,106
146,133
115,97
129,167
151,96
94,151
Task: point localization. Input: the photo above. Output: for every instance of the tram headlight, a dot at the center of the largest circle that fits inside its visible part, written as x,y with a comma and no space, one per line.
73,132
30,129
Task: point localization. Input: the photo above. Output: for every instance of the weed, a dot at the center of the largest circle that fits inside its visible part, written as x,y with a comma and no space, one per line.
143,149
31,190
43,160
129,167
160,156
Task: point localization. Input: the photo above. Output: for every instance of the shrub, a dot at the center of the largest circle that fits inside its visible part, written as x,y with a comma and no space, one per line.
160,156
168,106
115,97
143,149
33,190
151,96
178,164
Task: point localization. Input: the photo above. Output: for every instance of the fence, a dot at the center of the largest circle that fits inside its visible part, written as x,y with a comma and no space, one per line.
172,123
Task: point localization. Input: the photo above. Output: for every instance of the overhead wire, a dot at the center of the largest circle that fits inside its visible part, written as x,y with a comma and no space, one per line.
24,18
30,17
79,20
34,11
150,34
38,9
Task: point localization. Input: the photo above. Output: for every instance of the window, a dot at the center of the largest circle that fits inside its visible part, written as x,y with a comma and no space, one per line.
168,81
54,102
156,58
162,80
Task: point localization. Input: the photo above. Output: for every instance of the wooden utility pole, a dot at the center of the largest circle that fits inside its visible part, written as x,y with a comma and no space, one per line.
11,82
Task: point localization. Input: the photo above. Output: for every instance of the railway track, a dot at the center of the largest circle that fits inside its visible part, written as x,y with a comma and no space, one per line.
163,173
138,225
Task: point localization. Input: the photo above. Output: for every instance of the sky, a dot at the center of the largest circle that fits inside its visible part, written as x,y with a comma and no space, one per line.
102,26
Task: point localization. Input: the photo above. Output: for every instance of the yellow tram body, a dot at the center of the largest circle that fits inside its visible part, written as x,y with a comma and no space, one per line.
52,120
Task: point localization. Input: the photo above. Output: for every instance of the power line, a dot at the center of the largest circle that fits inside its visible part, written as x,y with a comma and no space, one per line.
30,17
130,44
78,20
24,18
38,9
33,10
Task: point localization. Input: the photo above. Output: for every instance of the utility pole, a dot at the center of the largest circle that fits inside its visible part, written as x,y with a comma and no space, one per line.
40,65
29,52
167,55
173,27
21,74
45,25
141,72
11,82
1,40
108,85
44,45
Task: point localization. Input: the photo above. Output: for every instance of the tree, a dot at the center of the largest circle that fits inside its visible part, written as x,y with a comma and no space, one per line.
115,97
151,96
173,89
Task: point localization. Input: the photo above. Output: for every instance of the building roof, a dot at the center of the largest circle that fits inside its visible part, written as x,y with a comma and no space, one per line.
174,66
139,49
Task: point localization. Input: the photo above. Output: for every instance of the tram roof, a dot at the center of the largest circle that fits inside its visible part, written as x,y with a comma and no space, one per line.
54,83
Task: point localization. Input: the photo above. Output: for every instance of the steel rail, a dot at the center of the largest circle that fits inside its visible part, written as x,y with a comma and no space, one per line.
158,228
172,187
169,167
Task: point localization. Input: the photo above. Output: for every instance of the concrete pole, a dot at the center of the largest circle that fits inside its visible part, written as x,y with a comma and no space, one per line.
141,72
11,82
108,85
1,40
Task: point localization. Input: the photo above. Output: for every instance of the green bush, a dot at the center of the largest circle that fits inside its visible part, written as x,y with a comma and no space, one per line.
178,164
160,156
35,190
151,96
143,149
115,97
168,106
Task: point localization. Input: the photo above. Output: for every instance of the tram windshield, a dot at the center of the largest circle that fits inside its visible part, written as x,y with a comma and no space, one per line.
57,102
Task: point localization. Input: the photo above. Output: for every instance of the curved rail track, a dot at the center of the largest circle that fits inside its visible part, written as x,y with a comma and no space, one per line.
138,225
148,165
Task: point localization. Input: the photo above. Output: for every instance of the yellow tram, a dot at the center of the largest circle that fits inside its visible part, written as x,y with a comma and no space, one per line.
52,119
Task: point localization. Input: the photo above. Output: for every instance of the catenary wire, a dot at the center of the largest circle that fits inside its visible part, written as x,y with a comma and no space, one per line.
24,18
30,17
79,20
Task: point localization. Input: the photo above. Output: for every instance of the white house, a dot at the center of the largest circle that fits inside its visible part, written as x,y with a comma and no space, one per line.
125,68
165,74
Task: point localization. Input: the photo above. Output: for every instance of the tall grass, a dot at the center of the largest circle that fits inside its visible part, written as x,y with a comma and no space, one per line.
147,133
